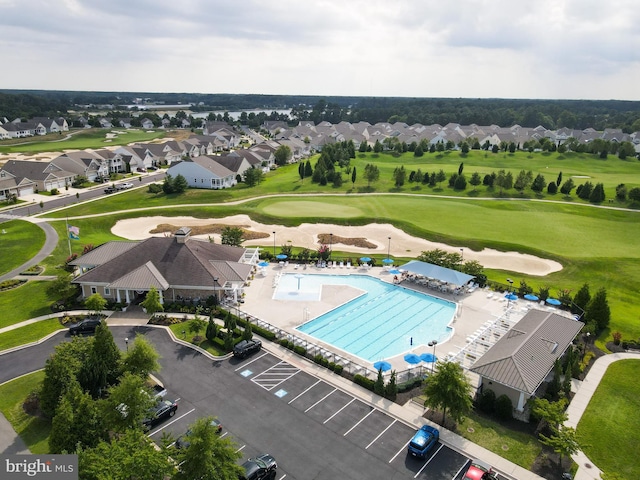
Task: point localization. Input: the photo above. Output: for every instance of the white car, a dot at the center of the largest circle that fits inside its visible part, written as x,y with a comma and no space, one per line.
124,186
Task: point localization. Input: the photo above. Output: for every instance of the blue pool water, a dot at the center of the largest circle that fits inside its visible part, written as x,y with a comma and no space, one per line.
386,320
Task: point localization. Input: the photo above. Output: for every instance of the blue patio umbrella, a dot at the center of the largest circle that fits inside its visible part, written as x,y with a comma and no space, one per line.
428,358
554,301
395,271
412,358
530,296
365,259
263,264
511,296
382,365
281,256
387,260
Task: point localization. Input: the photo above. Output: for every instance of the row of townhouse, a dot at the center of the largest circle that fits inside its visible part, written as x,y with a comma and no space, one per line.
35,126
25,177
315,136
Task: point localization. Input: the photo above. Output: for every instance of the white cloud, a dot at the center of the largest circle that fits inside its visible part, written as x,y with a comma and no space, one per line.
464,48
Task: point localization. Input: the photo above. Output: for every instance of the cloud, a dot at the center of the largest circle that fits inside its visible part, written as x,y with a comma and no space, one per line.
327,47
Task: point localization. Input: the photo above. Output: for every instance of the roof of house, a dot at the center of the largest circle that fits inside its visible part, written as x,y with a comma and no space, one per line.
439,273
34,170
164,262
208,162
525,355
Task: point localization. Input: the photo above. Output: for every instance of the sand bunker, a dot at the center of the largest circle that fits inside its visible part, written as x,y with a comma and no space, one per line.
306,235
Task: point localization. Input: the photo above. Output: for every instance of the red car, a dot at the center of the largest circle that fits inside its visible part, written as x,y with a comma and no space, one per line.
479,470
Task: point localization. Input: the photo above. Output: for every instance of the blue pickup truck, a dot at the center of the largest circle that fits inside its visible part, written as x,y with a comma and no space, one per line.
423,441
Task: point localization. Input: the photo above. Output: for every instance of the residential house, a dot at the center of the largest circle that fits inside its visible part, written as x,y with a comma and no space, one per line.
203,172
83,163
33,176
179,267
520,361
147,124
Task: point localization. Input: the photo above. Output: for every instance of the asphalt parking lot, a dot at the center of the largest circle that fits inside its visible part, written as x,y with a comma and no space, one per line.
316,421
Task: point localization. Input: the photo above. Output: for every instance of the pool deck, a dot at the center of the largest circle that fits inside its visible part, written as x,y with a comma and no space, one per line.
474,311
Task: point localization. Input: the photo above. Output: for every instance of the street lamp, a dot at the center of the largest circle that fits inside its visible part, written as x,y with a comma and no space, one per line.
433,344
126,341
330,245
274,244
215,293
389,249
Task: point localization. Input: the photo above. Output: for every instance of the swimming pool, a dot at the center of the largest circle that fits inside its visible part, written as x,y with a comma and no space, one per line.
386,320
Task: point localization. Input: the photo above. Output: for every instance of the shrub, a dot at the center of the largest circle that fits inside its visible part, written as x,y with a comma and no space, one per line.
504,408
617,336
363,382
300,350
338,369
487,401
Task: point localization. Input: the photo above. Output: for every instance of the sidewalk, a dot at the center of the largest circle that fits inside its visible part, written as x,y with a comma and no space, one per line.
586,469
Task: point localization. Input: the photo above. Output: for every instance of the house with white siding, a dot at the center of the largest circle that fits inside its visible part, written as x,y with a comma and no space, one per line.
204,172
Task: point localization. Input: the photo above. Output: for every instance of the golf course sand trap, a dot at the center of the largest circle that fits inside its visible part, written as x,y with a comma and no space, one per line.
306,235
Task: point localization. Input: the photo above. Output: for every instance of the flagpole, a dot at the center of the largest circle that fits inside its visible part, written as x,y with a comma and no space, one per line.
68,236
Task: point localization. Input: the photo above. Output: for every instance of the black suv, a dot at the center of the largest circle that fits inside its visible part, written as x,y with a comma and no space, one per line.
163,410
262,467
246,347
87,325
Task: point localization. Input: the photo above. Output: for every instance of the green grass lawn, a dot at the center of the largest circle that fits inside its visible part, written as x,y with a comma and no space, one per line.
29,333
30,300
94,138
20,242
34,431
518,447
212,348
609,430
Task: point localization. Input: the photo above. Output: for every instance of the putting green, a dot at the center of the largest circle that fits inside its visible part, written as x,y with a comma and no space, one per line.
297,208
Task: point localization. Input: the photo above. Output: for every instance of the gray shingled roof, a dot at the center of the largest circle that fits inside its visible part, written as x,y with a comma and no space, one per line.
146,275
194,263
525,355
102,254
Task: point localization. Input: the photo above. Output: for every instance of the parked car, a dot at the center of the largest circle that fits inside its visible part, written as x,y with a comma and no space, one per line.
110,190
86,325
124,186
158,414
246,347
479,470
183,440
262,467
423,441
141,169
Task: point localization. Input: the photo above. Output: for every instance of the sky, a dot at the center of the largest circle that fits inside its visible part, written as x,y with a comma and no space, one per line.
548,49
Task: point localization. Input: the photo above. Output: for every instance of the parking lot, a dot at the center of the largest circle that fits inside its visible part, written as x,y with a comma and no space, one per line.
324,422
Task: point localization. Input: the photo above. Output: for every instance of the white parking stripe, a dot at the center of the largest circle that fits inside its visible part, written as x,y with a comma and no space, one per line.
381,433
282,476
249,363
461,468
361,420
294,399
427,462
175,419
241,448
403,449
321,400
352,400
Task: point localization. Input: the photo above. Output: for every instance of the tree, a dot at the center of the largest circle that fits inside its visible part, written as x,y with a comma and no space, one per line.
180,184
378,385
212,330
96,303
598,310
353,177
391,389
126,456
151,302
167,185
247,333
282,155
371,173
61,288
475,180
634,194
127,404
254,176
597,194
460,183
567,186
449,389
581,299
102,367
538,183
377,147
232,236
563,441
440,176
60,370
142,358
208,456
559,179
399,176
460,168
553,414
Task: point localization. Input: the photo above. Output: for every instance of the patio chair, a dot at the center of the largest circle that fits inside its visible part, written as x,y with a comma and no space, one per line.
348,264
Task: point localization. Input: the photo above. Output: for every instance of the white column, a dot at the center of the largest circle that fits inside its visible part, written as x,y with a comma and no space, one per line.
118,295
126,292
161,293
520,406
